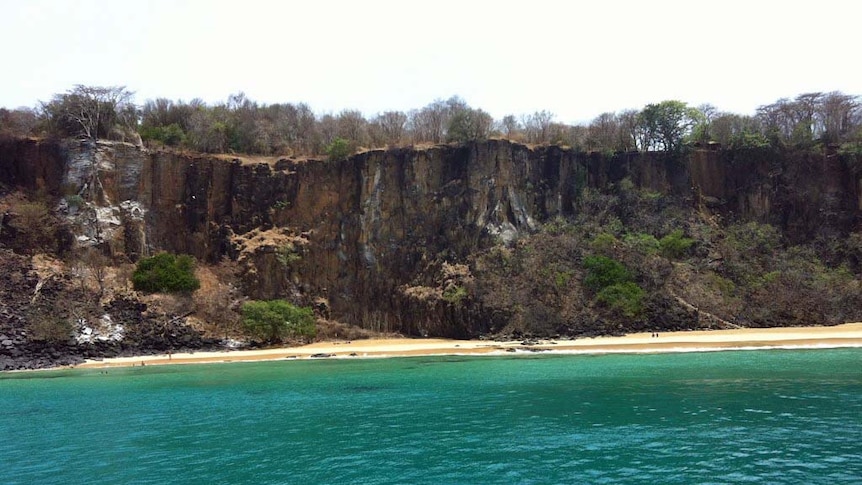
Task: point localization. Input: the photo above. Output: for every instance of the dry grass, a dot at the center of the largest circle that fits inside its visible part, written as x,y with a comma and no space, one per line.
276,237
331,330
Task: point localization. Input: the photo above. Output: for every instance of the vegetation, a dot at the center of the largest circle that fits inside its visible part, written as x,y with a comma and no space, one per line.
625,258
242,125
603,272
339,149
166,273
674,245
626,298
276,320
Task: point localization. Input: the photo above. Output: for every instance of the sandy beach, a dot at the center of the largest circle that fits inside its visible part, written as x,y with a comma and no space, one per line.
846,335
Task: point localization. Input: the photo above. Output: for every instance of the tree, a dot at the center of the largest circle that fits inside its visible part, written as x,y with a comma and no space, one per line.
92,111
34,226
469,124
702,131
166,273
388,128
537,126
18,122
275,320
603,133
510,127
628,130
665,125
603,272
429,123
837,116
97,266
351,125
737,131
339,149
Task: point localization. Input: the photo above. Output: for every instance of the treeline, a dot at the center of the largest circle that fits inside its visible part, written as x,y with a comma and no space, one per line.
241,125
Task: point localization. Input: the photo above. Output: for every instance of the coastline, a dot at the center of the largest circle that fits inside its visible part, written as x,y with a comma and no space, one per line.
845,335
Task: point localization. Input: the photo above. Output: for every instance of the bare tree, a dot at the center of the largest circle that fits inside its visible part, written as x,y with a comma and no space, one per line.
18,122
536,126
510,127
92,111
389,128
351,125
603,132
837,116
429,123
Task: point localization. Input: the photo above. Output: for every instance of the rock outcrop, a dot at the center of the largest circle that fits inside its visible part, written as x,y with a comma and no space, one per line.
367,227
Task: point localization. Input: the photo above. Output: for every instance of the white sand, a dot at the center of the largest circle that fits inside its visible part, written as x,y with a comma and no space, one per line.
847,335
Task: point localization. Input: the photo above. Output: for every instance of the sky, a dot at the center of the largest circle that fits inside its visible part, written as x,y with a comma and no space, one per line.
576,59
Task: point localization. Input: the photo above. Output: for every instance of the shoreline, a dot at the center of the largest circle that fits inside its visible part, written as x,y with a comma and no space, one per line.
845,335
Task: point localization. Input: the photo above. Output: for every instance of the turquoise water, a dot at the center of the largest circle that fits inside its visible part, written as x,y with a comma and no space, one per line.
780,416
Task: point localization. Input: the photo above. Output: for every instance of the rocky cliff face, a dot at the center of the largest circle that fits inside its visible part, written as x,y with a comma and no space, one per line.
357,233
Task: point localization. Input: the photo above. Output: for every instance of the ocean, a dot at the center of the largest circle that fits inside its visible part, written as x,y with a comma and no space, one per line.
766,416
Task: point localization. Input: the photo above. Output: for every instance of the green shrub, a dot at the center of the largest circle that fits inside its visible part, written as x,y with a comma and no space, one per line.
603,272
562,278
166,273
288,254
643,243
604,243
339,149
455,294
626,298
674,245
171,135
275,320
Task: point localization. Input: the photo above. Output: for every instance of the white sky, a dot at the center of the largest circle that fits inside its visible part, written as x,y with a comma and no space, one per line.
575,59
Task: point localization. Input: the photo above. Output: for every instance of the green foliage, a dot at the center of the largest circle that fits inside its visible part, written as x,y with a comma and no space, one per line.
645,244
469,125
171,135
723,285
851,148
674,245
288,254
562,278
753,237
749,140
603,272
455,294
626,298
166,273
613,285
666,124
276,320
604,243
339,149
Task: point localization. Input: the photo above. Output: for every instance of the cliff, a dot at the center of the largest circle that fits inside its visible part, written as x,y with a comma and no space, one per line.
365,235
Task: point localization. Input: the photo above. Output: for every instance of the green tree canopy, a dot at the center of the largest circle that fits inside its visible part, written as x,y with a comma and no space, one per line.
665,125
166,273
275,320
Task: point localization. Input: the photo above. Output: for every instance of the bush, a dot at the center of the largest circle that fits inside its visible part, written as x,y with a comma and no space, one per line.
166,273
275,320
171,135
645,244
339,149
626,298
604,243
674,245
603,272
455,294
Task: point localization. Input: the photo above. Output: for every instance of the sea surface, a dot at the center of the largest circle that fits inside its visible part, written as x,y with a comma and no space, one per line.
775,416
